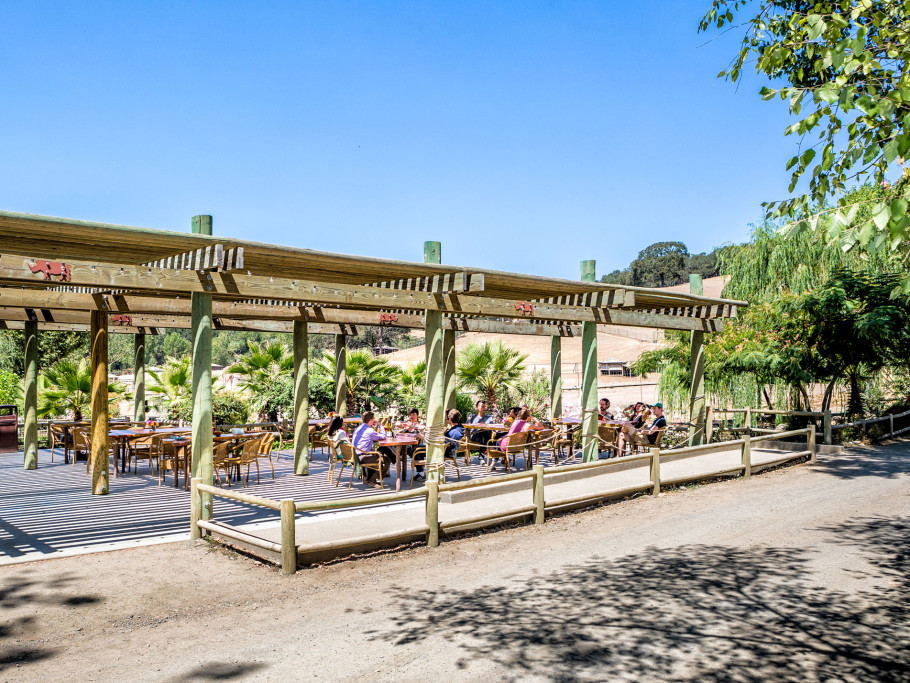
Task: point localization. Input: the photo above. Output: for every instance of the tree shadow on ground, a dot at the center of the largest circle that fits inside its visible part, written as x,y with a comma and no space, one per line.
696,612
888,460
221,671
19,591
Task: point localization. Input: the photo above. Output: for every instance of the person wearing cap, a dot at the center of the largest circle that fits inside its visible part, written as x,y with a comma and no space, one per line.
644,436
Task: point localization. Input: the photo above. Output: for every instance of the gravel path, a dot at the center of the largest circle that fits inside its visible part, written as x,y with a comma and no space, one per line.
798,574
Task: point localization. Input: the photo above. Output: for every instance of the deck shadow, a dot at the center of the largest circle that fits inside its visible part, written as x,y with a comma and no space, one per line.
702,612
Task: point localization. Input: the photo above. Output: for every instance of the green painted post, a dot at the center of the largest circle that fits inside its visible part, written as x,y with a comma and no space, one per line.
555,377
201,303
30,408
432,253
341,375
589,448
139,377
697,370
301,399
435,392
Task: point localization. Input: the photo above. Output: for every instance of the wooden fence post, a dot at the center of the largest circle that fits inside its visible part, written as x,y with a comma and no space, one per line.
748,422
195,508
539,514
655,471
891,424
826,426
811,443
433,513
709,424
288,537
747,455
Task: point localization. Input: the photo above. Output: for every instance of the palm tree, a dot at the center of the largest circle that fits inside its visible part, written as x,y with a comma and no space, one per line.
413,383
67,388
260,369
173,384
489,368
372,380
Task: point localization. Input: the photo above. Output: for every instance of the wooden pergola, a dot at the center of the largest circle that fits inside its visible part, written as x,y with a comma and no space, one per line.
62,274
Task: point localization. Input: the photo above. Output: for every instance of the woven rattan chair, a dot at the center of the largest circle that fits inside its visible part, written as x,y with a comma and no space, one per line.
515,444
221,456
82,441
145,448
319,439
347,458
171,459
250,452
266,446
418,458
607,438
564,444
538,441
57,434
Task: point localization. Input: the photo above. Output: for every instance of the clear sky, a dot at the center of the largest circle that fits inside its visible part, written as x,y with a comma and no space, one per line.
525,136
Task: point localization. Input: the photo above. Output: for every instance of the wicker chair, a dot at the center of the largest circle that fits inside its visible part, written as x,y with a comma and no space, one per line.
538,441
171,459
516,444
82,441
418,457
644,448
144,447
334,458
57,434
319,439
221,460
250,452
347,458
266,446
564,444
607,438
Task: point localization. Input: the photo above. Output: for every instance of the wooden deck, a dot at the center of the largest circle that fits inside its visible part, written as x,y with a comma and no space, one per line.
51,511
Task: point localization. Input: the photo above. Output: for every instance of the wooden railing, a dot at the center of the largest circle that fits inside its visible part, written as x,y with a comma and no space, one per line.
202,513
827,426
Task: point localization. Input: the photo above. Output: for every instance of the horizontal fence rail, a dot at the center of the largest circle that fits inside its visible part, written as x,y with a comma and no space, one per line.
203,495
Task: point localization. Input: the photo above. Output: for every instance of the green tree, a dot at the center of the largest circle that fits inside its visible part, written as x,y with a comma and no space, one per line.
843,66
10,389
172,386
266,376
660,265
372,380
488,369
413,382
176,345
67,389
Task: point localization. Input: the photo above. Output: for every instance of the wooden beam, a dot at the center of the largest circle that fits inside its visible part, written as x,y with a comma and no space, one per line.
555,378
228,285
30,406
100,453
589,371
202,451
341,375
139,377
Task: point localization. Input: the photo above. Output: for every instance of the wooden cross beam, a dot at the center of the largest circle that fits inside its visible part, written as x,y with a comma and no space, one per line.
214,257
221,307
614,298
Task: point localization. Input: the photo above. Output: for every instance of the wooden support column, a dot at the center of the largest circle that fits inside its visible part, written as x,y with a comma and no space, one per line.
201,306
589,442
30,408
435,392
139,377
555,378
100,446
432,253
697,378
301,399
341,375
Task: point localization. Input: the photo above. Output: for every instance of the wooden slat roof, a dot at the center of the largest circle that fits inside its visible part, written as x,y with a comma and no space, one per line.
60,239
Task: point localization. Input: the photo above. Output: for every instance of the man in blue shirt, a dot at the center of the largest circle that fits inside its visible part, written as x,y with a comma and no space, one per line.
364,439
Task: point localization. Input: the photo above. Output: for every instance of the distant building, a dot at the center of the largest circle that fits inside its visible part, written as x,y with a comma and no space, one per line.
618,368
382,350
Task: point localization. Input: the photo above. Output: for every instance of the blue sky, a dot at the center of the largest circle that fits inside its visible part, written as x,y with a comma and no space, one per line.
525,136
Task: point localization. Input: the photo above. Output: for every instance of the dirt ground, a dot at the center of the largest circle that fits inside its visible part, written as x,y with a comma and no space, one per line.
798,574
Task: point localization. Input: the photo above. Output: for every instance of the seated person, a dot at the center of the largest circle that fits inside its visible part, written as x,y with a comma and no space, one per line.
643,436
336,433
413,427
363,440
531,420
638,415
604,414
480,436
454,433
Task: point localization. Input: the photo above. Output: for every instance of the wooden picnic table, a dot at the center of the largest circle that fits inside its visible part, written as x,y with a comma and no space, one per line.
397,444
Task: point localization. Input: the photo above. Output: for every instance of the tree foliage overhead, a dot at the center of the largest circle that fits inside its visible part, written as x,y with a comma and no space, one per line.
844,65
